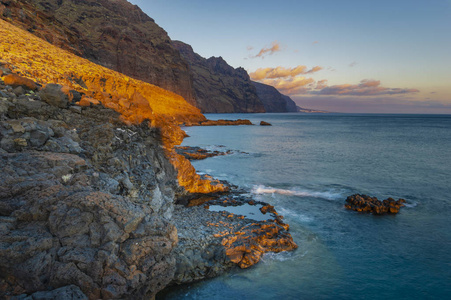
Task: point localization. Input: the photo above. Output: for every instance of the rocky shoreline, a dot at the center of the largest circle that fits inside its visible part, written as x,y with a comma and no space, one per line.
87,205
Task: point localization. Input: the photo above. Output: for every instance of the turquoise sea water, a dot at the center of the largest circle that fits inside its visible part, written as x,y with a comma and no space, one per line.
306,165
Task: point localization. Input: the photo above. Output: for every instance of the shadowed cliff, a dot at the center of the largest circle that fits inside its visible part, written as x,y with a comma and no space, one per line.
273,100
219,87
114,34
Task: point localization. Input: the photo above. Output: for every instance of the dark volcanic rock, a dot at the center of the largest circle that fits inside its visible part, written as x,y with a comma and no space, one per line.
365,203
56,95
263,123
85,204
115,34
221,122
226,240
219,87
197,153
273,100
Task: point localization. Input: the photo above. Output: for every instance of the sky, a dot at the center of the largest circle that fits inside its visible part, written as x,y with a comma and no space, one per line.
335,55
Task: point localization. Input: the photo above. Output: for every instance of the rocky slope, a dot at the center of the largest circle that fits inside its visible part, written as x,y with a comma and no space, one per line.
220,88
273,100
135,100
114,34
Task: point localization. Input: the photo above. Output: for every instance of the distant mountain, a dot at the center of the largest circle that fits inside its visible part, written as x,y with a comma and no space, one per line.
273,100
307,110
115,34
219,88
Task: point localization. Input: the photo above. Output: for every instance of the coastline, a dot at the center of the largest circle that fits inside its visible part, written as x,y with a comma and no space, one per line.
94,181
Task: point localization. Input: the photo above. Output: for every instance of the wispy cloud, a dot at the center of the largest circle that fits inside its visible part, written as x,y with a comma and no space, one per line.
364,88
315,42
275,47
353,64
282,72
249,48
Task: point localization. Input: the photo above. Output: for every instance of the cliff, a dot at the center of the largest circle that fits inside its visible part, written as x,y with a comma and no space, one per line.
273,100
220,88
114,34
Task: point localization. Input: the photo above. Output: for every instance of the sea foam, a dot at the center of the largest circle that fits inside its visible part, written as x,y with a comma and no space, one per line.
329,195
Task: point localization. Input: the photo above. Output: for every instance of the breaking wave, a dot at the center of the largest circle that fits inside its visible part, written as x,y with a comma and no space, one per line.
330,195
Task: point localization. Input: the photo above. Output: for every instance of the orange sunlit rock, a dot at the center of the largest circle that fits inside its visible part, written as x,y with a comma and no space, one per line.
246,247
16,80
35,60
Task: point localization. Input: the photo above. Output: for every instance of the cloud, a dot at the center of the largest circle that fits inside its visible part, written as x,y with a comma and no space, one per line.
315,42
321,84
275,47
281,72
291,86
353,64
249,48
364,88
314,69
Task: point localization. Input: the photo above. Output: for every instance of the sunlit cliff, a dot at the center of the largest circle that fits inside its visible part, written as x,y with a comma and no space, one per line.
137,101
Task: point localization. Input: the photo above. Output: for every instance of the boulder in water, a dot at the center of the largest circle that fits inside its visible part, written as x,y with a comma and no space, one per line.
367,204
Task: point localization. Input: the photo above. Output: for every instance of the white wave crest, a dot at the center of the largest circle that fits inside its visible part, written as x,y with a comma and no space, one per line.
330,195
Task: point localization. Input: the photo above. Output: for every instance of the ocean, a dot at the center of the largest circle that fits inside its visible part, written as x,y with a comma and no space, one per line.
306,165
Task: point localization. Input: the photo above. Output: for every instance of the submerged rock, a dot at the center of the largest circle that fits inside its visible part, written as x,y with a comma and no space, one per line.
365,203
221,122
197,153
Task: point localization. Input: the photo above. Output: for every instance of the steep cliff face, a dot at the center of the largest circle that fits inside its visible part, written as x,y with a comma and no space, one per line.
219,87
273,100
114,34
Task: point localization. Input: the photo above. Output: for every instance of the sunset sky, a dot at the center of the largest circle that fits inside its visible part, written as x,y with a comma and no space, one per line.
343,56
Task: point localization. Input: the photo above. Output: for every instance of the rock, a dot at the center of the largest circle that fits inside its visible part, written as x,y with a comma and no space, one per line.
273,100
19,91
221,122
219,87
213,242
197,153
56,95
66,292
15,80
263,123
57,221
367,204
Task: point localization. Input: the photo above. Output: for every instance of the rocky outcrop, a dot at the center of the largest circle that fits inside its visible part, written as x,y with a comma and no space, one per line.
264,123
273,100
367,204
115,34
211,243
85,200
220,88
197,153
221,122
